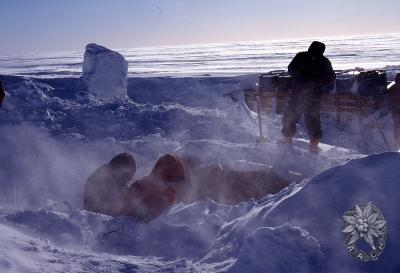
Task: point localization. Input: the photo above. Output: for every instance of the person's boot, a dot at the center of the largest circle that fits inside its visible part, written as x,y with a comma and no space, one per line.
397,143
396,147
314,145
261,140
287,140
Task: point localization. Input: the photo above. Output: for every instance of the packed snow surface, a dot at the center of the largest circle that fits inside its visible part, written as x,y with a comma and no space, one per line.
55,132
298,230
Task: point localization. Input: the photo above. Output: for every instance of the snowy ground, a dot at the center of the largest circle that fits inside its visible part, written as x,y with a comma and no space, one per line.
54,135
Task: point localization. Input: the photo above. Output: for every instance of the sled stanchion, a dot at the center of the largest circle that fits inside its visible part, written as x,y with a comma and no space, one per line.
261,137
353,96
259,115
15,196
382,133
337,110
230,94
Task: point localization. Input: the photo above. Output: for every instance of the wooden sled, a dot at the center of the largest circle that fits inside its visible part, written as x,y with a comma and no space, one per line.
360,94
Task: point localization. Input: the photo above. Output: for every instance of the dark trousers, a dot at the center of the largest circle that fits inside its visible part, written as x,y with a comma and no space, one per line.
303,101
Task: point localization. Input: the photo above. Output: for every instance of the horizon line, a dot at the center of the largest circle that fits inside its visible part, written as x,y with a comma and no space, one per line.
202,44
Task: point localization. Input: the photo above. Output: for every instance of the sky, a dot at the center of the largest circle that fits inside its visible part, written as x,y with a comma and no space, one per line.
31,26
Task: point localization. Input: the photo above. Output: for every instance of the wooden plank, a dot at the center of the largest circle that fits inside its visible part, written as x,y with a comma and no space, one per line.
331,103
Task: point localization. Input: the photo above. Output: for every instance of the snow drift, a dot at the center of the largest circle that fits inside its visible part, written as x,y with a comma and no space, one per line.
54,134
322,202
297,230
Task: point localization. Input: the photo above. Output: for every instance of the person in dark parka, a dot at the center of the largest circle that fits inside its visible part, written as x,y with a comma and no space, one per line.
312,75
2,94
394,100
106,187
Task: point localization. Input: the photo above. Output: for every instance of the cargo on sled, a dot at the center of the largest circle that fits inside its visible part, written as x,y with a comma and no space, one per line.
356,94
359,93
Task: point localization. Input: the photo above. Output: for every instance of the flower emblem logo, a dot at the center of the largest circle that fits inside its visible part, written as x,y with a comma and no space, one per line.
364,224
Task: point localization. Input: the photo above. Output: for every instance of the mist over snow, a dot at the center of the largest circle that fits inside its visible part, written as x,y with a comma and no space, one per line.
364,51
58,125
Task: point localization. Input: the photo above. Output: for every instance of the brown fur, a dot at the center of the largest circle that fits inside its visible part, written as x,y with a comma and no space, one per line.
173,180
148,197
106,187
228,186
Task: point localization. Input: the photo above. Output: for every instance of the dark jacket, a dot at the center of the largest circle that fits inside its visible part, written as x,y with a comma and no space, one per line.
311,69
324,74
302,68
